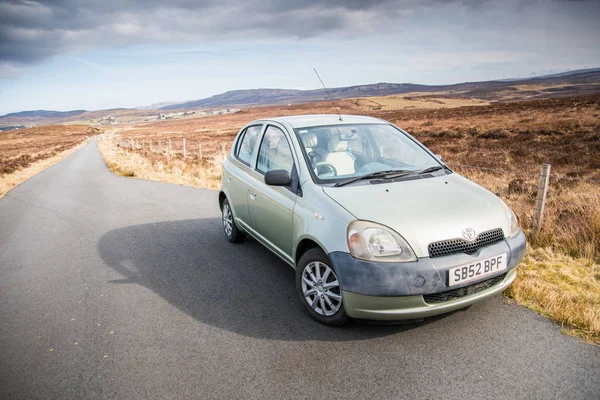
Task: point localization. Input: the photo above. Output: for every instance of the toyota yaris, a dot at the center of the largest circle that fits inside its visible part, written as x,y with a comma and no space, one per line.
375,225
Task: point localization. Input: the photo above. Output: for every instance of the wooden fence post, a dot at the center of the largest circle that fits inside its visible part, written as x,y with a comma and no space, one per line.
169,146
184,152
131,143
199,151
159,149
223,151
540,201
150,145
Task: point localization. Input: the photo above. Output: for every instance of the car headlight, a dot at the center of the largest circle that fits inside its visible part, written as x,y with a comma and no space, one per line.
513,224
373,242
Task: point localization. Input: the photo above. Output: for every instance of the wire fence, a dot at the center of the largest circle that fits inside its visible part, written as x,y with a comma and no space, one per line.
172,147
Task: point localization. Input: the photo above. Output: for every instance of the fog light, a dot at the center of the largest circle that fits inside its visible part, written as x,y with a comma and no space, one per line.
419,281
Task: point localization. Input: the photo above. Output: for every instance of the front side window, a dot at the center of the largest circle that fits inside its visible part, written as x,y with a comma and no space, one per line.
247,143
275,152
339,152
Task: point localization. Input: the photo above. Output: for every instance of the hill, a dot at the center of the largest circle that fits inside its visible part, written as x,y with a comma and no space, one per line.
566,84
45,113
578,82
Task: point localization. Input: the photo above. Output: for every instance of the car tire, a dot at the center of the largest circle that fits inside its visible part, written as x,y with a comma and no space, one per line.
232,232
320,292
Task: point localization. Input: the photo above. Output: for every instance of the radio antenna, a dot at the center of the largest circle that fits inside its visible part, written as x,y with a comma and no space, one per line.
327,91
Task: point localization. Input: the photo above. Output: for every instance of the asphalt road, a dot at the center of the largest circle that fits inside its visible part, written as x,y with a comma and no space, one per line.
121,288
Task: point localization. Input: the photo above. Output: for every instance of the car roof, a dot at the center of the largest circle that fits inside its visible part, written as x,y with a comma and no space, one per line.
303,121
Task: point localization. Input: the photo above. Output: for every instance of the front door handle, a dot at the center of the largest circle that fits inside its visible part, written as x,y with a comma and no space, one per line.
252,194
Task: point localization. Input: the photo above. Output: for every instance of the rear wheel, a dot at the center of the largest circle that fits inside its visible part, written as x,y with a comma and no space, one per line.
233,234
319,288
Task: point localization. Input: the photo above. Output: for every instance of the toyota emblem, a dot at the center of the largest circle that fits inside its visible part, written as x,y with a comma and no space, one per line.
469,234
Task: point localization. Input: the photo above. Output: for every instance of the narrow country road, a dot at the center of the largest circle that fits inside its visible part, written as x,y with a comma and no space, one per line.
121,288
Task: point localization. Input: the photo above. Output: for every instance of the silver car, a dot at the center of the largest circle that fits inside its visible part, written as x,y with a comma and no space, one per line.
376,226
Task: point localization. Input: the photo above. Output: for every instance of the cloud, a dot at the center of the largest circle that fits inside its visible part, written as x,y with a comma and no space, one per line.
32,31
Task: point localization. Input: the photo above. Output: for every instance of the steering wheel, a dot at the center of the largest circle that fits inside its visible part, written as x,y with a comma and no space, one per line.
332,170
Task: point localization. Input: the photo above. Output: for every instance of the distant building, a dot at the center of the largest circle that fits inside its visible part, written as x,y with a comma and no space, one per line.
107,121
162,117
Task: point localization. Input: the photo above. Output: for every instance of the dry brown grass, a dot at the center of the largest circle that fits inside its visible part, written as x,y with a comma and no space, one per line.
21,147
562,288
194,171
26,152
414,101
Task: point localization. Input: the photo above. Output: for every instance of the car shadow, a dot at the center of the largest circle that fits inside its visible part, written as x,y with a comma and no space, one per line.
243,288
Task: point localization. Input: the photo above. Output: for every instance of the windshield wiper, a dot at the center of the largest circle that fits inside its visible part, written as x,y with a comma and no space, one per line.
431,169
390,174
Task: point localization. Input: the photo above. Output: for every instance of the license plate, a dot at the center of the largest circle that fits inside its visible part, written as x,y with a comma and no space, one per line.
476,270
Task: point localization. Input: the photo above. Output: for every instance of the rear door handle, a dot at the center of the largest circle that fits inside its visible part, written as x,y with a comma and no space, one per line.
252,194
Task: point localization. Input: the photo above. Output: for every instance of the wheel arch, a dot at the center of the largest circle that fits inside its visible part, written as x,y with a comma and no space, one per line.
222,198
304,245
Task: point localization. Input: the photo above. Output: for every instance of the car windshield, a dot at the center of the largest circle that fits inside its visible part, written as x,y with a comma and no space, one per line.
340,152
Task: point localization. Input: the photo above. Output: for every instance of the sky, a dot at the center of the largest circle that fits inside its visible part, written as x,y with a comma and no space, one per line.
89,54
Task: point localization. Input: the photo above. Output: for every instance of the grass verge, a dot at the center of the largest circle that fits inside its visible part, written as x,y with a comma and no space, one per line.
192,171
562,288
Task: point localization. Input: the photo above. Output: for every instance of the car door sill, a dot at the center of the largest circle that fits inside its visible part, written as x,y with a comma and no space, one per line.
274,249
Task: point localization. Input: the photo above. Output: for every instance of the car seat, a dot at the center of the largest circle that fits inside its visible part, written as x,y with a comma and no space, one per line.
338,156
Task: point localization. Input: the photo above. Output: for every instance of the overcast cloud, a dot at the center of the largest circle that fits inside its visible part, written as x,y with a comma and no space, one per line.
553,34
32,31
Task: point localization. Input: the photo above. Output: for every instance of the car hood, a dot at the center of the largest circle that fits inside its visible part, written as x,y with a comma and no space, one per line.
424,210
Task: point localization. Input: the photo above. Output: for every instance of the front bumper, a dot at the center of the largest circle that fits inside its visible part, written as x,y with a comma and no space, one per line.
396,308
394,291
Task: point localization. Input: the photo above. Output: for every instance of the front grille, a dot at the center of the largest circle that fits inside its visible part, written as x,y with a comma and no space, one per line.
455,246
463,291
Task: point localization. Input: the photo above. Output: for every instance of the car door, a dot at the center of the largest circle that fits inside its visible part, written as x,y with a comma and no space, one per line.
236,177
271,207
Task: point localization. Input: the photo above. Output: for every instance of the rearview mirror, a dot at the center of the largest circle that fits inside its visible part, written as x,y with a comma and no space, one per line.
278,177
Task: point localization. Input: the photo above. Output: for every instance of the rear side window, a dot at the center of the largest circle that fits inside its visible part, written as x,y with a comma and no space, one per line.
246,144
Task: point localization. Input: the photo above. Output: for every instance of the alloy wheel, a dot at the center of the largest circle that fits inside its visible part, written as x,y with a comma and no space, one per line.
227,220
321,288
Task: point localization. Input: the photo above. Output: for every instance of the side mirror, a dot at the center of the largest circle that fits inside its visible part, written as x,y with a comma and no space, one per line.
278,177
439,157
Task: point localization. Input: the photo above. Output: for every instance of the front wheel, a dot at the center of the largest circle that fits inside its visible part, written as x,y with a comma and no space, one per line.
233,234
319,288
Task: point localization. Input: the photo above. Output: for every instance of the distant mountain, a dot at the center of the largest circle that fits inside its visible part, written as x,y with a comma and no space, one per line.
252,97
581,72
45,114
486,89
564,84
48,117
